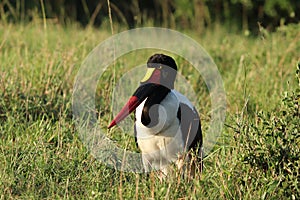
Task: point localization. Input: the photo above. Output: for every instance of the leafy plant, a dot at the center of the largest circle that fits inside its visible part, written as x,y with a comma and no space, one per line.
271,144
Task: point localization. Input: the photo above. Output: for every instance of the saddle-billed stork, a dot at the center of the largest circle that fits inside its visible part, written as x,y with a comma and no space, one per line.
167,125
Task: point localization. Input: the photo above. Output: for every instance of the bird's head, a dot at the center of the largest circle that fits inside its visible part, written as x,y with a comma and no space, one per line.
161,69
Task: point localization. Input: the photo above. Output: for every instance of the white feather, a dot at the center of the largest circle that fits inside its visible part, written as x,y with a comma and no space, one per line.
162,143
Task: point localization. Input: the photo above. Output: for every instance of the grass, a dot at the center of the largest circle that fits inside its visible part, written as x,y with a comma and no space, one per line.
41,155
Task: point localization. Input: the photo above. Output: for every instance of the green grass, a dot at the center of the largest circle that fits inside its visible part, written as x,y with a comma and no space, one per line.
41,155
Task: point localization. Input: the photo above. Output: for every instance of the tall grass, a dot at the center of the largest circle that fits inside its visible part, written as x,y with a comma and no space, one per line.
41,156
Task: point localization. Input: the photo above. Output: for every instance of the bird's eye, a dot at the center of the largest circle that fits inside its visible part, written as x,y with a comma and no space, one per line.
160,67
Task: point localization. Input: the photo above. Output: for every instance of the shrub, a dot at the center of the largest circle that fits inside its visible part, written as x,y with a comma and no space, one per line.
271,145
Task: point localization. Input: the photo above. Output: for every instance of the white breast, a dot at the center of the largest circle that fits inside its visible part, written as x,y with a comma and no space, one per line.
162,143
167,117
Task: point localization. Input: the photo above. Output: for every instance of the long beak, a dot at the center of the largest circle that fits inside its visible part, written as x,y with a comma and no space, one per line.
148,83
135,100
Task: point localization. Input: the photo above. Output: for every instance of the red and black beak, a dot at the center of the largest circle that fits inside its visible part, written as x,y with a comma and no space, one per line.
148,84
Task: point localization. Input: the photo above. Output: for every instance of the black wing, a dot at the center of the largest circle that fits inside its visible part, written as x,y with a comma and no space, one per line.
190,127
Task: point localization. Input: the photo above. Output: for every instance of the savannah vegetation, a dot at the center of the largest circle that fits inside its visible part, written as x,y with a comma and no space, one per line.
43,46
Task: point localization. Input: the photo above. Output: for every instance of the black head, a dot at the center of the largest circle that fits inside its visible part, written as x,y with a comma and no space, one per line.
162,70
162,59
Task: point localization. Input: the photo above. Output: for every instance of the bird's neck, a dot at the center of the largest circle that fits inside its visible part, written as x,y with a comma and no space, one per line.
151,104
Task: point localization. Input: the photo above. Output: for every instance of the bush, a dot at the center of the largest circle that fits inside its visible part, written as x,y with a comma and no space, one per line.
271,145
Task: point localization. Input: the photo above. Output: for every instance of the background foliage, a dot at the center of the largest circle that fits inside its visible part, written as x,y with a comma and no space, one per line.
169,13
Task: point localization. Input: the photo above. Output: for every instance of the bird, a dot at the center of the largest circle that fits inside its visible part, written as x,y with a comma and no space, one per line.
167,126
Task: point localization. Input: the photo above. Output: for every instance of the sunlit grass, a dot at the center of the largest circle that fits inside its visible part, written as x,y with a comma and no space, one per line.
41,155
